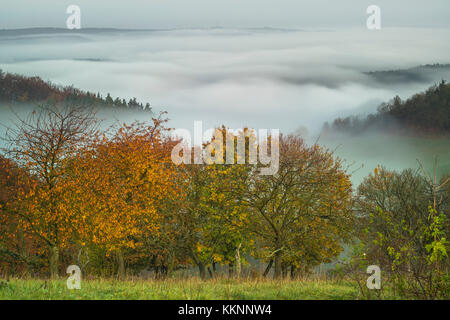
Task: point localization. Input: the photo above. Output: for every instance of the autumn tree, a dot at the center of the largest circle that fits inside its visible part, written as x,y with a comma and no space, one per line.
302,213
17,248
213,220
41,144
120,187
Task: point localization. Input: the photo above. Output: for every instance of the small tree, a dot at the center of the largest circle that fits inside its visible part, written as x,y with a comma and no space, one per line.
403,233
302,213
41,143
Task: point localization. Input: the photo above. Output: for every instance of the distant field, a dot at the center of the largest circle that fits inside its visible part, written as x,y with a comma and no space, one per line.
180,290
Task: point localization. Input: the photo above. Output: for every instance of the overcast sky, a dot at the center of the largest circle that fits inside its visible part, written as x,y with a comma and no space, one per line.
226,13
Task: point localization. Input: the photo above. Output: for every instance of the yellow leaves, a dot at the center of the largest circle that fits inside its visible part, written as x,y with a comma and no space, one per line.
200,247
217,258
378,170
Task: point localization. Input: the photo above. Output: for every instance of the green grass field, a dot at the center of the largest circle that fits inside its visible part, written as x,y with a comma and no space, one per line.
191,289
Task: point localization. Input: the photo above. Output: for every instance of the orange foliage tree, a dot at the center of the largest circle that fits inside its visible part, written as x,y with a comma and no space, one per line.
119,188
42,144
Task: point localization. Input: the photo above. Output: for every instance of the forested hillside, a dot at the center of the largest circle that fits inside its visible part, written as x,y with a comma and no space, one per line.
425,112
428,73
16,88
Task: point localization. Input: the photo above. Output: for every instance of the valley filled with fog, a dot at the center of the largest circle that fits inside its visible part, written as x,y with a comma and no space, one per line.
290,79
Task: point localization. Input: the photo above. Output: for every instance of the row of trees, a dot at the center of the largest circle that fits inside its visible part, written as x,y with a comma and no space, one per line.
114,200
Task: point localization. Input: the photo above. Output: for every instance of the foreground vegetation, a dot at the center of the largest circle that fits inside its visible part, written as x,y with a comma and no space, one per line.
127,199
190,289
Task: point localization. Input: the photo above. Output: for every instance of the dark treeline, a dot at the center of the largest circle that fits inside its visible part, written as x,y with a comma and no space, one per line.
15,88
421,74
425,112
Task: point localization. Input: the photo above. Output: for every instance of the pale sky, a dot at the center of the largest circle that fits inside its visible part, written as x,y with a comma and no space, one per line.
226,13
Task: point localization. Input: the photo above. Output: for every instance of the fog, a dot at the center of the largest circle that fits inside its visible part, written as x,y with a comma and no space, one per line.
261,78
364,152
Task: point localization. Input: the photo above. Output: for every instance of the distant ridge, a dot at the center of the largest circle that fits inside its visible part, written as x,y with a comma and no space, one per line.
424,113
45,30
50,30
16,89
422,73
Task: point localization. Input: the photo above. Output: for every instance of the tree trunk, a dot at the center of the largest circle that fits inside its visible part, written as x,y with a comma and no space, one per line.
164,272
238,261
230,270
293,272
170,267
210,273
277,262
284,270
199,263
54,262
202,270
24,254
269,266
121,265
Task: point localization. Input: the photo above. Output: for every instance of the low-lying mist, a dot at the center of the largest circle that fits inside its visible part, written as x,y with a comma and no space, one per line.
395,151
261,78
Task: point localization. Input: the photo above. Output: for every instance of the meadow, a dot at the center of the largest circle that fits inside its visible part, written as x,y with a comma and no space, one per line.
176,289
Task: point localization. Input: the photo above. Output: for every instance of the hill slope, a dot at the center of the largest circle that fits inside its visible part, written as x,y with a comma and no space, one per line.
16,88
425,112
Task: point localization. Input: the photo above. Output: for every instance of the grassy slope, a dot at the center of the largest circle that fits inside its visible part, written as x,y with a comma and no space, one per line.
180,290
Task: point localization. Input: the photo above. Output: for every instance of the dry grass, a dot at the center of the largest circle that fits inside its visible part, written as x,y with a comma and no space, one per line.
188,289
